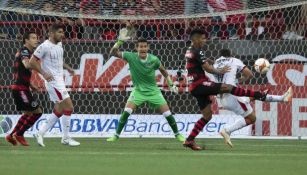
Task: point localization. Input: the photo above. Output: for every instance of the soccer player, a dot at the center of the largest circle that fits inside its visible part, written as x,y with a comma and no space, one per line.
142,67
201,87
239,105
22,95
50,53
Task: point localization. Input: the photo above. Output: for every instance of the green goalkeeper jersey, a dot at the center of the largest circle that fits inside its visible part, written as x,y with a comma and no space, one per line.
143,72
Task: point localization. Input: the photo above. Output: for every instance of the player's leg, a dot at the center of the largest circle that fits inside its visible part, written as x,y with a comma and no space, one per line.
286,97
164,109
50,121
135,99
237,91
240,106
66,107
199,125
201,93
24,102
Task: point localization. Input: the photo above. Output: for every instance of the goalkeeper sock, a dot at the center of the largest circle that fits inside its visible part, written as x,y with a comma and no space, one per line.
199,125
123,120
171,121
248,93
236,126
274,98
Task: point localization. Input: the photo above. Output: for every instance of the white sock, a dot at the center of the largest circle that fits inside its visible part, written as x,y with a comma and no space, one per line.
65,125
50,121
274,98
236,126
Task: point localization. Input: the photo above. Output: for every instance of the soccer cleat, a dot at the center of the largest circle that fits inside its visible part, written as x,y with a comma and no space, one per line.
180,137
288,95
226,137
69,141
11,140
113,138
21,140
39,139
191,144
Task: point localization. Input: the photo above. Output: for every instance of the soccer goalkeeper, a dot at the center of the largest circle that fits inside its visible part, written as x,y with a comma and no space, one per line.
142,69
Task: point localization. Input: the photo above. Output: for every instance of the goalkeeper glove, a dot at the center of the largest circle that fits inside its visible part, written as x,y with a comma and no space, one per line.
122,37
171,86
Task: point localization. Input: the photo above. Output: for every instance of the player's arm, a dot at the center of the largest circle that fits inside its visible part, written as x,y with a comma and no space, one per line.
115,50
122,38
34,87
246,75
170,83
210,69
25,62
69,69
35,64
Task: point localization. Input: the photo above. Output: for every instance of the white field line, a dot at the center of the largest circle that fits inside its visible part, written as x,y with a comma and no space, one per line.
184,153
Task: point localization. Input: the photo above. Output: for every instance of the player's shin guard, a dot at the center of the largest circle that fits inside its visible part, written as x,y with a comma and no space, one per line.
199,125
248,93
123,120
50,121
30,120
22,120
171,121
66,123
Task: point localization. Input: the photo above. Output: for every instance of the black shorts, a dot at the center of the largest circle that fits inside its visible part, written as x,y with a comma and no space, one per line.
24,100
203,91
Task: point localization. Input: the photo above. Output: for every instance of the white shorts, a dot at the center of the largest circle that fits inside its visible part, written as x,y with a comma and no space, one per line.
238,105
57,91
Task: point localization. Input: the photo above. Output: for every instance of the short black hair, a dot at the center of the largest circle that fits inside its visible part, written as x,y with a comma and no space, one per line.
197,31
142,40
54,27
225,53
26,35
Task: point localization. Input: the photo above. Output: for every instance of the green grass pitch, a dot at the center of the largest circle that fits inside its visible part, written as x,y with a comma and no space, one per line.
155,157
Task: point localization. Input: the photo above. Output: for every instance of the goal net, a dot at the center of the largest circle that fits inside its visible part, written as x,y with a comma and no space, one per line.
275,30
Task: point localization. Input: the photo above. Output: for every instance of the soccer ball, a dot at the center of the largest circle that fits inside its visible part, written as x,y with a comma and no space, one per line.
262,65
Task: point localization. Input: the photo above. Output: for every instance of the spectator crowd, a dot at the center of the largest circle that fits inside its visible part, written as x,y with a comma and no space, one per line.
80,22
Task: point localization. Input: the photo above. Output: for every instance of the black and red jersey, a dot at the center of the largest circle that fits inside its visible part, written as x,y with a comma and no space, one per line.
195,58
21,75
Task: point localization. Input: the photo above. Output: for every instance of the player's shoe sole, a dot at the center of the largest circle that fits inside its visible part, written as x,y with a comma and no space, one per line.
39,139
226,137
11,140
288,95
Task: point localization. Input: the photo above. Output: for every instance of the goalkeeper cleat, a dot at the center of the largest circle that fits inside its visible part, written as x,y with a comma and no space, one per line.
226,137
21,140
113,138
191,144
180,137
11,140
288,95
